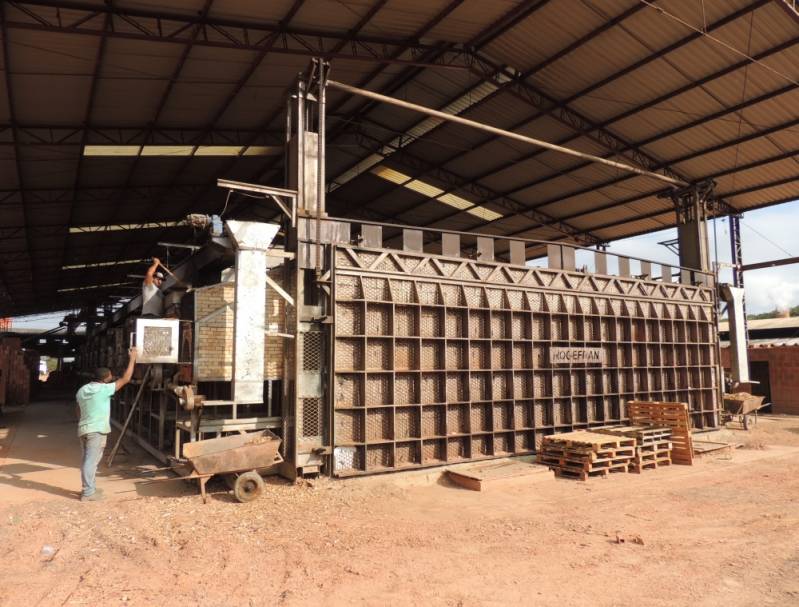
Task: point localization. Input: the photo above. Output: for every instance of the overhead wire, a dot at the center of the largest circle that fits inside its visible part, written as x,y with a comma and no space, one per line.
720,42
767,239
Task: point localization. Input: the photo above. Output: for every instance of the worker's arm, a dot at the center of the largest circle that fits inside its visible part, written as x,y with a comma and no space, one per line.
148,278
125,379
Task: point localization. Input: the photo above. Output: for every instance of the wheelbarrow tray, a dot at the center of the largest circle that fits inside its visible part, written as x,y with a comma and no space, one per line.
742,403
235,453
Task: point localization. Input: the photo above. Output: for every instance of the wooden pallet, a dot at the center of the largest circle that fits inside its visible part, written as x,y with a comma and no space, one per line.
559,460
671,415
594,441
584,454
644,435
576,453
584,475
651,464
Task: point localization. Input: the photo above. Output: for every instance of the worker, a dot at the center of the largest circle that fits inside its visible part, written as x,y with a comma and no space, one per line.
94,402
152,300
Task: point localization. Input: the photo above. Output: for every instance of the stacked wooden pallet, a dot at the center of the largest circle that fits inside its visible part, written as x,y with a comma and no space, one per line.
653,445
584,454
666,415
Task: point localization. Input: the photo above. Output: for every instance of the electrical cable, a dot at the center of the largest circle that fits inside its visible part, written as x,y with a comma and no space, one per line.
767,239
720,42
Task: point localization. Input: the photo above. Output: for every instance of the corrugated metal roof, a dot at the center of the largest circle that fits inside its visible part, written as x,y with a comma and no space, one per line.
609,78
760,324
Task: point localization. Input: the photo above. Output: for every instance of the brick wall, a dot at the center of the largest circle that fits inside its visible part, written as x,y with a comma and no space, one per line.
783,369
213,360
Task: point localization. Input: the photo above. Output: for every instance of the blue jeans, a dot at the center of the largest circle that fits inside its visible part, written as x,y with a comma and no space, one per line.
92,446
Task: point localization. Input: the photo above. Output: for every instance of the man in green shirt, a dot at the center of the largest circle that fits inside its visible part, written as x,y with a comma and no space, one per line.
94,401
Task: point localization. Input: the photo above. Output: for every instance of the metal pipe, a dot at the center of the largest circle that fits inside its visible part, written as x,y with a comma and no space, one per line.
320,163
502,132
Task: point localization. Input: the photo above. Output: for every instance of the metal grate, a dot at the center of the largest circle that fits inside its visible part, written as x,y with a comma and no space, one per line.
378,390
378,456
405,355
457,387
406,389
312,350
349,354
523,414
457,449
433,421
349,318
481,417
378,319
481,446
458,419
429,371
378,425
428,293
157,341
349,427
434,451
503,416
406,423
378,355
455,324
405,321
407,454
348,391
503,443
480,386
457,355
432,355
311,417
430,323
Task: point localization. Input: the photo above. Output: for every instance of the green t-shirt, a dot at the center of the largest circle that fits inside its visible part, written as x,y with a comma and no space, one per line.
94,400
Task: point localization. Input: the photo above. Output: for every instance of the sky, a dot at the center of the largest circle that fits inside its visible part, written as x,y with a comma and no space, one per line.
770,233
767,234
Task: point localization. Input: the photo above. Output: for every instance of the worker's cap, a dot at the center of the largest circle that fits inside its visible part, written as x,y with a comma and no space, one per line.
159,275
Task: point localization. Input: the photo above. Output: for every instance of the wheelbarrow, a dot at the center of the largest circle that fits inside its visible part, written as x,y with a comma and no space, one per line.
237,457
742,407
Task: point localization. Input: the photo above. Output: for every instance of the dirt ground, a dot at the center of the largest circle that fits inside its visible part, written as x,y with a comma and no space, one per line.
722,532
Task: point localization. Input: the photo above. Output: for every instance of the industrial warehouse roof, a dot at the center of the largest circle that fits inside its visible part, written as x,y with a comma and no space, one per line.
116,118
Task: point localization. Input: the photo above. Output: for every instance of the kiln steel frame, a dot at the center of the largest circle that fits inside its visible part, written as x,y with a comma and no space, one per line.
420,359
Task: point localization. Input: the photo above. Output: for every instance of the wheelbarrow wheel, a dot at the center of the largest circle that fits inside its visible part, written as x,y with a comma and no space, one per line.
748,421
248,486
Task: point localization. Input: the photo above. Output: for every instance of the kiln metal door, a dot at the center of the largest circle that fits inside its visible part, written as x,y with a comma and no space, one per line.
438,361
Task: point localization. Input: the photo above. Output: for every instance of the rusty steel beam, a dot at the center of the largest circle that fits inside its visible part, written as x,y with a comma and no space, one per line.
169,27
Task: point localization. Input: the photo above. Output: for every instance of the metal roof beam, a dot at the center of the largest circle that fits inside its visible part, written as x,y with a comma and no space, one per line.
472,96
97,134
87,118
586,128
724,210
348,39
216,32
5,294
690,155
478,191
225,105
405,76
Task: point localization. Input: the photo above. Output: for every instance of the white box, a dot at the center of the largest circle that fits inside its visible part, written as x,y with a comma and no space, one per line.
157,340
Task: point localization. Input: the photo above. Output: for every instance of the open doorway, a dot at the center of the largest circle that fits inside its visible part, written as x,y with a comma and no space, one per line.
759,372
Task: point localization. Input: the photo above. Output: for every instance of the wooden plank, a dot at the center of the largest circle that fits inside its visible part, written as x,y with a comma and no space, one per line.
484,476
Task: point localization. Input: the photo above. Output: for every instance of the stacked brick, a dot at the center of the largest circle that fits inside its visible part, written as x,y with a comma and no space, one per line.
17,368
213,315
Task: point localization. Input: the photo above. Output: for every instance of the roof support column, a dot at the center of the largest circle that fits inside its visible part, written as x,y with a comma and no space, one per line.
691,208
